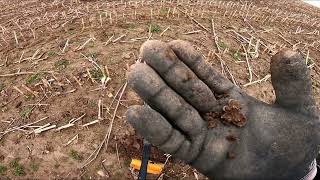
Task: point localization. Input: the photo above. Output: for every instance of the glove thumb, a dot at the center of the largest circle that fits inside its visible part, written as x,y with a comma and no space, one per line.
292,83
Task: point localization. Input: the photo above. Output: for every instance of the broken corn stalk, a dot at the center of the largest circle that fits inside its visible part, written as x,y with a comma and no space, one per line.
153,168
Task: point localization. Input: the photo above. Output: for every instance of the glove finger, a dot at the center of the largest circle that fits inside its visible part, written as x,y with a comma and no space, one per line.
153,90
291,81
150,124
159,132
178,76
197,64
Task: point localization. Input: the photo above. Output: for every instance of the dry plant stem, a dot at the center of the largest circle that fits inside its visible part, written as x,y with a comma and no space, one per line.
231,75
307,57
82,22
115,113
76,137
40,130
90,76
95,153
199,24
191,32
107,70
33,33
215,37
5,104
100,18
150,36
223,64
165,30
70,91
258,81
21,57
97,66
136,39
111,115
247,41
97,89
37,61
118,155
164,164
285,39
93,62
30,125
99,110
23,126
15,37
17,89
4,121
256,49
37,105
6,62
82,46
64,127
24,73
29,90
105,169
77,80
91,123
6,131
77,119
248,63
149,32
195,174
114,98
193,20
109,40
65,46
22,60
227,69
114,41
35,54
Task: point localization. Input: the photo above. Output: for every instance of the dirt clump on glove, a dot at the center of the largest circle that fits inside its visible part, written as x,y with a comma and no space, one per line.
231,115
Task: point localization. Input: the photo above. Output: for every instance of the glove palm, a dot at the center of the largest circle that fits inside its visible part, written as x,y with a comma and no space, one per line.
252,139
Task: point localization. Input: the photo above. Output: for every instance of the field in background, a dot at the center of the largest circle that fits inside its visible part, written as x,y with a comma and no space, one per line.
314,3
63,66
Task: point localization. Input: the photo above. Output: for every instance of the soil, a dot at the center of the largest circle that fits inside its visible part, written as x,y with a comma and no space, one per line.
232,114
231,138
212,119
59,42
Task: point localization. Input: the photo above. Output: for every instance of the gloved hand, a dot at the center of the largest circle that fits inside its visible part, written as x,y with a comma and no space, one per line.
251,140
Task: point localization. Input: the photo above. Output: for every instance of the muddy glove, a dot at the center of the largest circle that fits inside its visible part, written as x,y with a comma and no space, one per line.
200,117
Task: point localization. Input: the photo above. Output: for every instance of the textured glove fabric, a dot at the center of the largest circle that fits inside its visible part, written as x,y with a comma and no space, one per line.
200,117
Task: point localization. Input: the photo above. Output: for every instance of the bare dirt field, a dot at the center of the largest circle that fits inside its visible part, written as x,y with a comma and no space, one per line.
63,66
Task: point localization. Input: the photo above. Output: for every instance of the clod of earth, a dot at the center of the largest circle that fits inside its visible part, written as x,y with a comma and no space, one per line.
212,119
232,114
231,138
231,155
